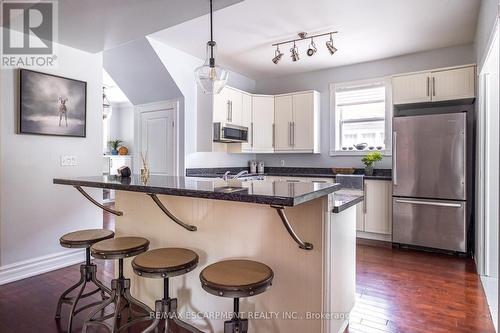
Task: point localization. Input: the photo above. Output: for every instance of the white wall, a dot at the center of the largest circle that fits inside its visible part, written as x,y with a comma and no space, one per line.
34,213
320,80
122,124
181,67
486,20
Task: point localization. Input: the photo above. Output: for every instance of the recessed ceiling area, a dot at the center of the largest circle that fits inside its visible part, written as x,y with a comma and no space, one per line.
368,30
96,25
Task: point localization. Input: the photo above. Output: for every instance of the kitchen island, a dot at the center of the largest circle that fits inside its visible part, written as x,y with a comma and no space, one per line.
290,226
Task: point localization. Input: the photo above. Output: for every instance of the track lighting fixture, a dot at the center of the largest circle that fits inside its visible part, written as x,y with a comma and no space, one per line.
330,47
277,55
311,50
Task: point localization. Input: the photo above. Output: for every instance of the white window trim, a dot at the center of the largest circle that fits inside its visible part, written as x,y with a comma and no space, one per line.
388,117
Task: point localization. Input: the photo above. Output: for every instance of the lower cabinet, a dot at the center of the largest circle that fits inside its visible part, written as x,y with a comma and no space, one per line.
374,218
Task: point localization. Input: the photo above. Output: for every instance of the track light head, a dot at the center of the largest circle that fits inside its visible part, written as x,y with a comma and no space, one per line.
294,53
312,49
277,55
330,47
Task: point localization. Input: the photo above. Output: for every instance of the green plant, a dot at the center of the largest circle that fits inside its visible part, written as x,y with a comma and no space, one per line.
115,144
371,158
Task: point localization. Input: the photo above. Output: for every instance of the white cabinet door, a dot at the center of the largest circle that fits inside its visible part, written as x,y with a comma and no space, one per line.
453,84
283,118
303,122
262,124
378,201
246,120
412,88
221,106
235,107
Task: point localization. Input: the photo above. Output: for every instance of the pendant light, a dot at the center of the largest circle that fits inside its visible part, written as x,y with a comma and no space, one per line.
211,78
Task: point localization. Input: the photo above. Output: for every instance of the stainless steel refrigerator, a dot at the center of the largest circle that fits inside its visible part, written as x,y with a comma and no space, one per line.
429,181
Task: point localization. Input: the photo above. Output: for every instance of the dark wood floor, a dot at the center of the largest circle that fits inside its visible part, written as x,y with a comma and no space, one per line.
397,291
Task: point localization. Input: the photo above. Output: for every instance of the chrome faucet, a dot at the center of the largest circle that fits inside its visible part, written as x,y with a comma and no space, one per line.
239,174
226,175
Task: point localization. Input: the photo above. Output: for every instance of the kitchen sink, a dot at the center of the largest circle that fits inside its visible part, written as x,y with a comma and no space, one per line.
230,189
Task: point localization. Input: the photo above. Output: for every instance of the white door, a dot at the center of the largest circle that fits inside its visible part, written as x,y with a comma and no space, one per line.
158,141
262,124
303,122
235,108
221,106
453,84
283,118
412,88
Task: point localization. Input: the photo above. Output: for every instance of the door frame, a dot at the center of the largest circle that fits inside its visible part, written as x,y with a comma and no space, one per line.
151,107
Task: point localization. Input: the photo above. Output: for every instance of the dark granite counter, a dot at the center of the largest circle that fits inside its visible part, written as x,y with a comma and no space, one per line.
378,174
259,191
344,199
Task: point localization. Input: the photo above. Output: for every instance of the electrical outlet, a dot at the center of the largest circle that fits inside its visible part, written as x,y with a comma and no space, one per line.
68,160
282,162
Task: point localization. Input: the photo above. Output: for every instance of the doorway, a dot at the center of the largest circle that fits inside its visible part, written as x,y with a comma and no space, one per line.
157,138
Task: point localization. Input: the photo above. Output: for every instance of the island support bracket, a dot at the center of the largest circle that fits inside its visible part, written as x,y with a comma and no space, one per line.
169,214
281,212
107,209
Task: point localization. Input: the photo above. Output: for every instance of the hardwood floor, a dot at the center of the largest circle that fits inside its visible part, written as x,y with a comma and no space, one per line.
397,291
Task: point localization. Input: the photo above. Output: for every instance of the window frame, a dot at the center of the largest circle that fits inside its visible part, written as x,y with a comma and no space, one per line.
335,117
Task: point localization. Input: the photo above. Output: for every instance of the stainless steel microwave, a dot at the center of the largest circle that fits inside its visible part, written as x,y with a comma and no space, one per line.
230,133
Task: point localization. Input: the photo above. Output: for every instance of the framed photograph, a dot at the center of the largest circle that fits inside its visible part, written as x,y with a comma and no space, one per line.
52,105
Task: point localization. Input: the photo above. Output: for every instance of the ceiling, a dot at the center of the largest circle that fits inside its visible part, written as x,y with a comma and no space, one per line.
97,25
368,30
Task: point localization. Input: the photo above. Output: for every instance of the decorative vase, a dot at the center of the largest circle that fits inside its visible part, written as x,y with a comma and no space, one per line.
123,150
114,152
369,170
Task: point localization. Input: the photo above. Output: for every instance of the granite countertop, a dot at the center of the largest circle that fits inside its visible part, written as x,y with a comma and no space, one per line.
344,199
259,191
379,174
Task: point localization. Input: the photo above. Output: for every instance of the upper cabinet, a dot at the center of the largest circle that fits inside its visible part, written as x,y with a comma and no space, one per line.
297,122
262,125
228,106
434,86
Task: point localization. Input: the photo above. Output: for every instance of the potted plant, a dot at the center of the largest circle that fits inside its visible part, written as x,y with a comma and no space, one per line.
369,160
115,144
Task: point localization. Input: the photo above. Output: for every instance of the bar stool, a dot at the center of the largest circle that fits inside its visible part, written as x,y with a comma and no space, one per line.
165,263
83,239
119,248
236,279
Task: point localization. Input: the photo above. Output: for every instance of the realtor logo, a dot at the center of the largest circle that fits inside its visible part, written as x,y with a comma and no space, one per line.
28,33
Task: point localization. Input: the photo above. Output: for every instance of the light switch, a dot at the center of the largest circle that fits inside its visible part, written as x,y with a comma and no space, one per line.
68,160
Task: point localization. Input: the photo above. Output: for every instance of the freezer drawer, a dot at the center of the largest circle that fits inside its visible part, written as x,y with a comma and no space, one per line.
431,223
429,156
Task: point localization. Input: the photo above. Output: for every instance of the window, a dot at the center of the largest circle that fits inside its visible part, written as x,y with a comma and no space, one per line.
361,115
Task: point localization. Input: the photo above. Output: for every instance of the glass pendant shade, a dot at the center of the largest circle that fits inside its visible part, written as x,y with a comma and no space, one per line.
211,78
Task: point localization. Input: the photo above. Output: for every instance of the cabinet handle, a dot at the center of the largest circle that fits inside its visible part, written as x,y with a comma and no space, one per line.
251,131
274,135
231,111
290,133
394,158
433,86
293,133
428,86
228,110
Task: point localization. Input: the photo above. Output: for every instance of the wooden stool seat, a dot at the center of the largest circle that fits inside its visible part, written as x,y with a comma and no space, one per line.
236,278
119,247
85,238
165,262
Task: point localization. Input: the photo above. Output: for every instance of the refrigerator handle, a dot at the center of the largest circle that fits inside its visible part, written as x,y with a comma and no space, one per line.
430,203
394,154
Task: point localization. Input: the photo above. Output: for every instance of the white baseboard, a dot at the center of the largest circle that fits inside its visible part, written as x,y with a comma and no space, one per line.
24,269
374,236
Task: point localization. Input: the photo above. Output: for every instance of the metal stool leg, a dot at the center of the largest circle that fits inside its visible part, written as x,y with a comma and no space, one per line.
121,298
236,324
87,275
